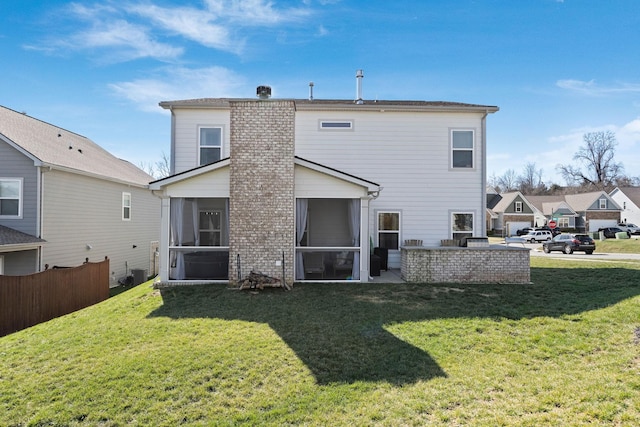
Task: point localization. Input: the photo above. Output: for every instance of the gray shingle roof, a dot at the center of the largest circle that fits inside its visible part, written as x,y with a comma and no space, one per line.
9,236
56,146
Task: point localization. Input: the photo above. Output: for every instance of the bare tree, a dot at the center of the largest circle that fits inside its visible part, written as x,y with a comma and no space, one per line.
506,182
161,168
596,166
530,182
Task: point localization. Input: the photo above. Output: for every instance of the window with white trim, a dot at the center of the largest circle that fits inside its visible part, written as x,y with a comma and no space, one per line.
10,197
336,124
518,207
603,203
210,145
126,206
388,230
563,222
1,265
461,225
462,146
210,228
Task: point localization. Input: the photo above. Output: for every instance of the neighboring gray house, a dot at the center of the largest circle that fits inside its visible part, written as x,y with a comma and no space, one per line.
316,184
584,212
628,199
64,199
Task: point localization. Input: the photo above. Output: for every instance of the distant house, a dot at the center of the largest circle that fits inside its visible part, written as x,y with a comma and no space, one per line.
628,199
584,212
64,199
308,188
514,212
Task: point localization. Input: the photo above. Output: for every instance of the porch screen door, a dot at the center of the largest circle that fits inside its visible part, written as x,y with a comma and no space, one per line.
353,210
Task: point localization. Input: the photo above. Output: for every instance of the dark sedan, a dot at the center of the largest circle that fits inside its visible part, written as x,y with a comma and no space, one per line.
569,243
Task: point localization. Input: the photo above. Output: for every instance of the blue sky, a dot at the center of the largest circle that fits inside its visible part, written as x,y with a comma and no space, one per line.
557,69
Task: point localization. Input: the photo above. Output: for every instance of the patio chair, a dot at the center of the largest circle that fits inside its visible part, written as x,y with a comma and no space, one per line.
343,263
314,263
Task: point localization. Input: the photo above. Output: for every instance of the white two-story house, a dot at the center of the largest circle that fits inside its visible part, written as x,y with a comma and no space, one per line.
305,189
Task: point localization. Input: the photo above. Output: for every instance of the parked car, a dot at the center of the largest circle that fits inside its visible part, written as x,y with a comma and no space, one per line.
537,236
554,231
631,228
610,232
524,231
569,243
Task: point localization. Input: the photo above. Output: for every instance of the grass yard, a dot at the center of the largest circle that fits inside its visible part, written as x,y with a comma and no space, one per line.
563,351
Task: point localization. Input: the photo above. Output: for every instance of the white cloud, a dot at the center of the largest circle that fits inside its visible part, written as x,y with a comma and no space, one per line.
180,83
592,88
193,24
255,13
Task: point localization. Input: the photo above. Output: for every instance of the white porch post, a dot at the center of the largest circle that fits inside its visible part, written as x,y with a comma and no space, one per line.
364,239
165,212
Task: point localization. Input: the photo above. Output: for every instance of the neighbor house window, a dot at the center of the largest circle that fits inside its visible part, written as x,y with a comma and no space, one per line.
603,203
461,225
126,206
10,197
462,148
518,206
210,145
563,222
336,124
389,230
210,228
1,264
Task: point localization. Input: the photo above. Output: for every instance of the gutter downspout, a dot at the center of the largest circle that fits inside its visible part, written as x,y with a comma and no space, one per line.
172,165
484,173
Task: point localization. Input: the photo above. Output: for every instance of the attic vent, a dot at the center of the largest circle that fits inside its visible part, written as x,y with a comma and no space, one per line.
263,92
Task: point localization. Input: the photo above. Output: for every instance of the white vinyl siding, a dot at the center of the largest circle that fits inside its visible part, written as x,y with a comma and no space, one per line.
80,211
186,137
408,154
10,197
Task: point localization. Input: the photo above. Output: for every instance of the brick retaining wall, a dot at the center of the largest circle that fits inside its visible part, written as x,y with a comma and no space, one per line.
495,264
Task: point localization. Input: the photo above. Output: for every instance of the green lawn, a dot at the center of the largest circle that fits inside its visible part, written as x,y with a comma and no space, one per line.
563,351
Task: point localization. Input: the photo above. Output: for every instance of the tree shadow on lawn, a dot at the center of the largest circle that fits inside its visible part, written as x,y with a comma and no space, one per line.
337,330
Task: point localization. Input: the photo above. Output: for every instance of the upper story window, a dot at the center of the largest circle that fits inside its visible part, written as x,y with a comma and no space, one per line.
210,145
126,206
603,203
10,197
389,230
518,207
462,146
336,124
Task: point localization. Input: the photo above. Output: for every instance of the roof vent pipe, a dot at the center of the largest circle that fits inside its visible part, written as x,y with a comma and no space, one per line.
359,76
263,92
310,91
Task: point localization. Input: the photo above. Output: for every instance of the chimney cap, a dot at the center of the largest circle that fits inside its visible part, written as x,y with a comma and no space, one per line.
263,92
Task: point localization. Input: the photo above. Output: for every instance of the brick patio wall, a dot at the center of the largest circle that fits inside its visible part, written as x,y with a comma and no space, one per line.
495,264
262,199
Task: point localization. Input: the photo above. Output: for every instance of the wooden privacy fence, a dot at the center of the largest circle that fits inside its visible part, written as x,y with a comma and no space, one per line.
28,300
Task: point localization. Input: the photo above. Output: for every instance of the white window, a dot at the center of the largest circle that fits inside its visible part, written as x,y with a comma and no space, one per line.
210,145
210,228
518,206
126,206
1,265
389,230
563,222
10,197
336,124
462,148
603,203
461,225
